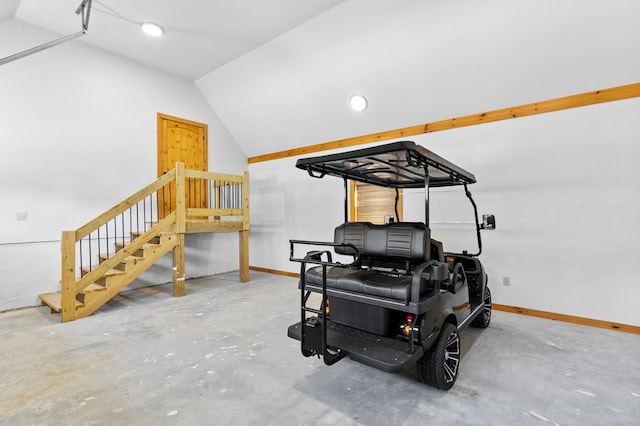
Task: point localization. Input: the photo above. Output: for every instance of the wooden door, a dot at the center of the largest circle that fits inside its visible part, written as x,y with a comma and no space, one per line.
185,141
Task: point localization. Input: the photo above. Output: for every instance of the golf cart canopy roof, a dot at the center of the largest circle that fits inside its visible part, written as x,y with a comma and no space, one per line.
396,165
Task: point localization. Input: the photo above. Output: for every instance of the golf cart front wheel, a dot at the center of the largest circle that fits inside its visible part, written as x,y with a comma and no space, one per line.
483,320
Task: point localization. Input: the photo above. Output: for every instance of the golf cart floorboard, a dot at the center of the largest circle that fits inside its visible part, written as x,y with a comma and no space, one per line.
385,353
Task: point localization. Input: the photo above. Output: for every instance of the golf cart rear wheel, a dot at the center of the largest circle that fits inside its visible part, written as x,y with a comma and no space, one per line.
483,320
439,366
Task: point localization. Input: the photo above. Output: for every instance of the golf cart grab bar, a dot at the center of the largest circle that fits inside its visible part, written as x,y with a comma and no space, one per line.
320,175
315,256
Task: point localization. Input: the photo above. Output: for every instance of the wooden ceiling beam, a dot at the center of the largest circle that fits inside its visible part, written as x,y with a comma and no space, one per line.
573,101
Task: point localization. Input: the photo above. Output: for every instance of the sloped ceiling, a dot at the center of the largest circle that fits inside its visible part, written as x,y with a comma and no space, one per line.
419,61
201,35
279,72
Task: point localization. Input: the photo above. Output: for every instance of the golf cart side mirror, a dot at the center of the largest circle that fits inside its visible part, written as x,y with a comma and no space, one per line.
488,221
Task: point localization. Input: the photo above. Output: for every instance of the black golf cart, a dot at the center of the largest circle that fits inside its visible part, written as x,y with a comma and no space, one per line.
399,298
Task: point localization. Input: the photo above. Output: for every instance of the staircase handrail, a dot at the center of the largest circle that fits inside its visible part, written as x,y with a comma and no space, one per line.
124,205
213,176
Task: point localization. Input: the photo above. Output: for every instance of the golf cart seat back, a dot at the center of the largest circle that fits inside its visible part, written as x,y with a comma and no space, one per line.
394,245
401,245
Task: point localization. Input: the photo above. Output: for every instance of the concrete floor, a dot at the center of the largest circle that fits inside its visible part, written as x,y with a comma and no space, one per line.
220,355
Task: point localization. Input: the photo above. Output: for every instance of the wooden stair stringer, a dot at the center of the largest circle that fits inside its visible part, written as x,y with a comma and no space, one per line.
117,283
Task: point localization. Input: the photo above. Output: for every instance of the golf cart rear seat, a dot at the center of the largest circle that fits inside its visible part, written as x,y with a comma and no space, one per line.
391,261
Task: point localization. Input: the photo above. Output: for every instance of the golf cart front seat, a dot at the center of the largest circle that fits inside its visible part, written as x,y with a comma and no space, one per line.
398,246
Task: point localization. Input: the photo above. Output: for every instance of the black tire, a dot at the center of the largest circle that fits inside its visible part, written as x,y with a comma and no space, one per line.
483,320
439,366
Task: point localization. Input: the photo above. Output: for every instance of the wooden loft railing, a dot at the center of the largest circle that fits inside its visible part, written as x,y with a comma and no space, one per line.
113,249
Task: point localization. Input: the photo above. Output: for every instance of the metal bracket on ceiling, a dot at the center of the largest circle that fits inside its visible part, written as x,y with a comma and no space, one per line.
84,9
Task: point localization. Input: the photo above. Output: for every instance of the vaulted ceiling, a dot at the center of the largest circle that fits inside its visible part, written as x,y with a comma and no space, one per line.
201,35
279,72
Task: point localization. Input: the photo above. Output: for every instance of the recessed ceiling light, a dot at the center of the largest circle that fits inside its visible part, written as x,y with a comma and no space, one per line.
151,29
358,103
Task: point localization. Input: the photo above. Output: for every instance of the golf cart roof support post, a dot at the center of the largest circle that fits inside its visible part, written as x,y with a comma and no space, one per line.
475,213
426,195
346,200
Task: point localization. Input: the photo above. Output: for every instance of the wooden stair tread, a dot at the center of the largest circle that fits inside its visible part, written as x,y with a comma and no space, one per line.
94,287
109,273
54,301
130,258
147,245
151,245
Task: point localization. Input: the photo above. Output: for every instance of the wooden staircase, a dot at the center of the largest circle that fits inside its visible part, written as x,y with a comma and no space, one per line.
115,279
123,250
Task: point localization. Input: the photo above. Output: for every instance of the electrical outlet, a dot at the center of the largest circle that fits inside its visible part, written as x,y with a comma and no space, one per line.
21,216
506,280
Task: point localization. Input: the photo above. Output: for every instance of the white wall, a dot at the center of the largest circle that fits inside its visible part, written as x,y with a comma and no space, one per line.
78,135
288,204
564,187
